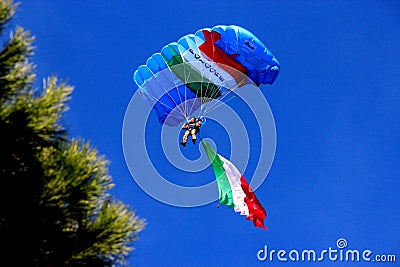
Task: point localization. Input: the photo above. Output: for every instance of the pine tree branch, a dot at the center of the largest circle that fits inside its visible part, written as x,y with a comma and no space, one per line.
7,11
77,178
76,186
109,235
47,109
16,72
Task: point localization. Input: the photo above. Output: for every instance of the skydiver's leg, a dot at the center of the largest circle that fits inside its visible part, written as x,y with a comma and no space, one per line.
185,137
193,133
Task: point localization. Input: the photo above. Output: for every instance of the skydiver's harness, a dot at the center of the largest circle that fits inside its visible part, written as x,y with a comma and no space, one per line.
191,126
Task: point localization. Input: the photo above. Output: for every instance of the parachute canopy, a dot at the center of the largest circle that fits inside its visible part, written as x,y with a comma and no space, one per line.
191,73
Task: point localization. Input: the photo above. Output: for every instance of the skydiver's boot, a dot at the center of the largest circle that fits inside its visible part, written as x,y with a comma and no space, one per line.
183,144
194,141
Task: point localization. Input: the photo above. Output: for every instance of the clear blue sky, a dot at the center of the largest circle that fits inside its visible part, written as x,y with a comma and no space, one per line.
336,105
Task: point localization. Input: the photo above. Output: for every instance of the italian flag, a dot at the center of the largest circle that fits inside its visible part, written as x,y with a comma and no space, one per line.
234,191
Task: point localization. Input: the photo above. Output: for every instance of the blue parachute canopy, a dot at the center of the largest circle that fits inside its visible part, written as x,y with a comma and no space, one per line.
199,68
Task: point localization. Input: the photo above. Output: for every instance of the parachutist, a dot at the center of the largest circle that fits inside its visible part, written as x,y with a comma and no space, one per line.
192,128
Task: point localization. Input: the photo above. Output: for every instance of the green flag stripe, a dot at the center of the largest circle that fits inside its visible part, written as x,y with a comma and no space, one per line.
225,191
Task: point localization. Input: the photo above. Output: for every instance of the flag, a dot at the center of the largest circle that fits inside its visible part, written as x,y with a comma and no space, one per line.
234,191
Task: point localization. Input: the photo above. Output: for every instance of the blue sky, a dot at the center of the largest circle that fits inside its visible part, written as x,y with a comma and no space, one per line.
335,104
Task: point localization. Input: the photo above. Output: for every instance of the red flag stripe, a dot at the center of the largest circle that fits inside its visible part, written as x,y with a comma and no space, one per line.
256,210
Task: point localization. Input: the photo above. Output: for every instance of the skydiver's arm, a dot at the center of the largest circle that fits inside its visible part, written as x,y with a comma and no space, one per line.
185,126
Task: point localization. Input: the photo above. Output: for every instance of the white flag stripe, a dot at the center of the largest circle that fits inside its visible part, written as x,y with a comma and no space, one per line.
238,194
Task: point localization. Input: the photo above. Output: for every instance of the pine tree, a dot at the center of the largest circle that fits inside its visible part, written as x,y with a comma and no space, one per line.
55,205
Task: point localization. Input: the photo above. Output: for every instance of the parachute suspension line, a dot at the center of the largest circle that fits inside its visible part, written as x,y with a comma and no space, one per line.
216,104
176,82
166,91
213,94
207,103
187,79
218,86
191,107
205,99
212,102
201,92
219,104
211,106
183,107
202,76
157,100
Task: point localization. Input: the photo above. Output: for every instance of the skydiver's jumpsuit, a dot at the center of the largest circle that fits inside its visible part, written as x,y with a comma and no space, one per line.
192,129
